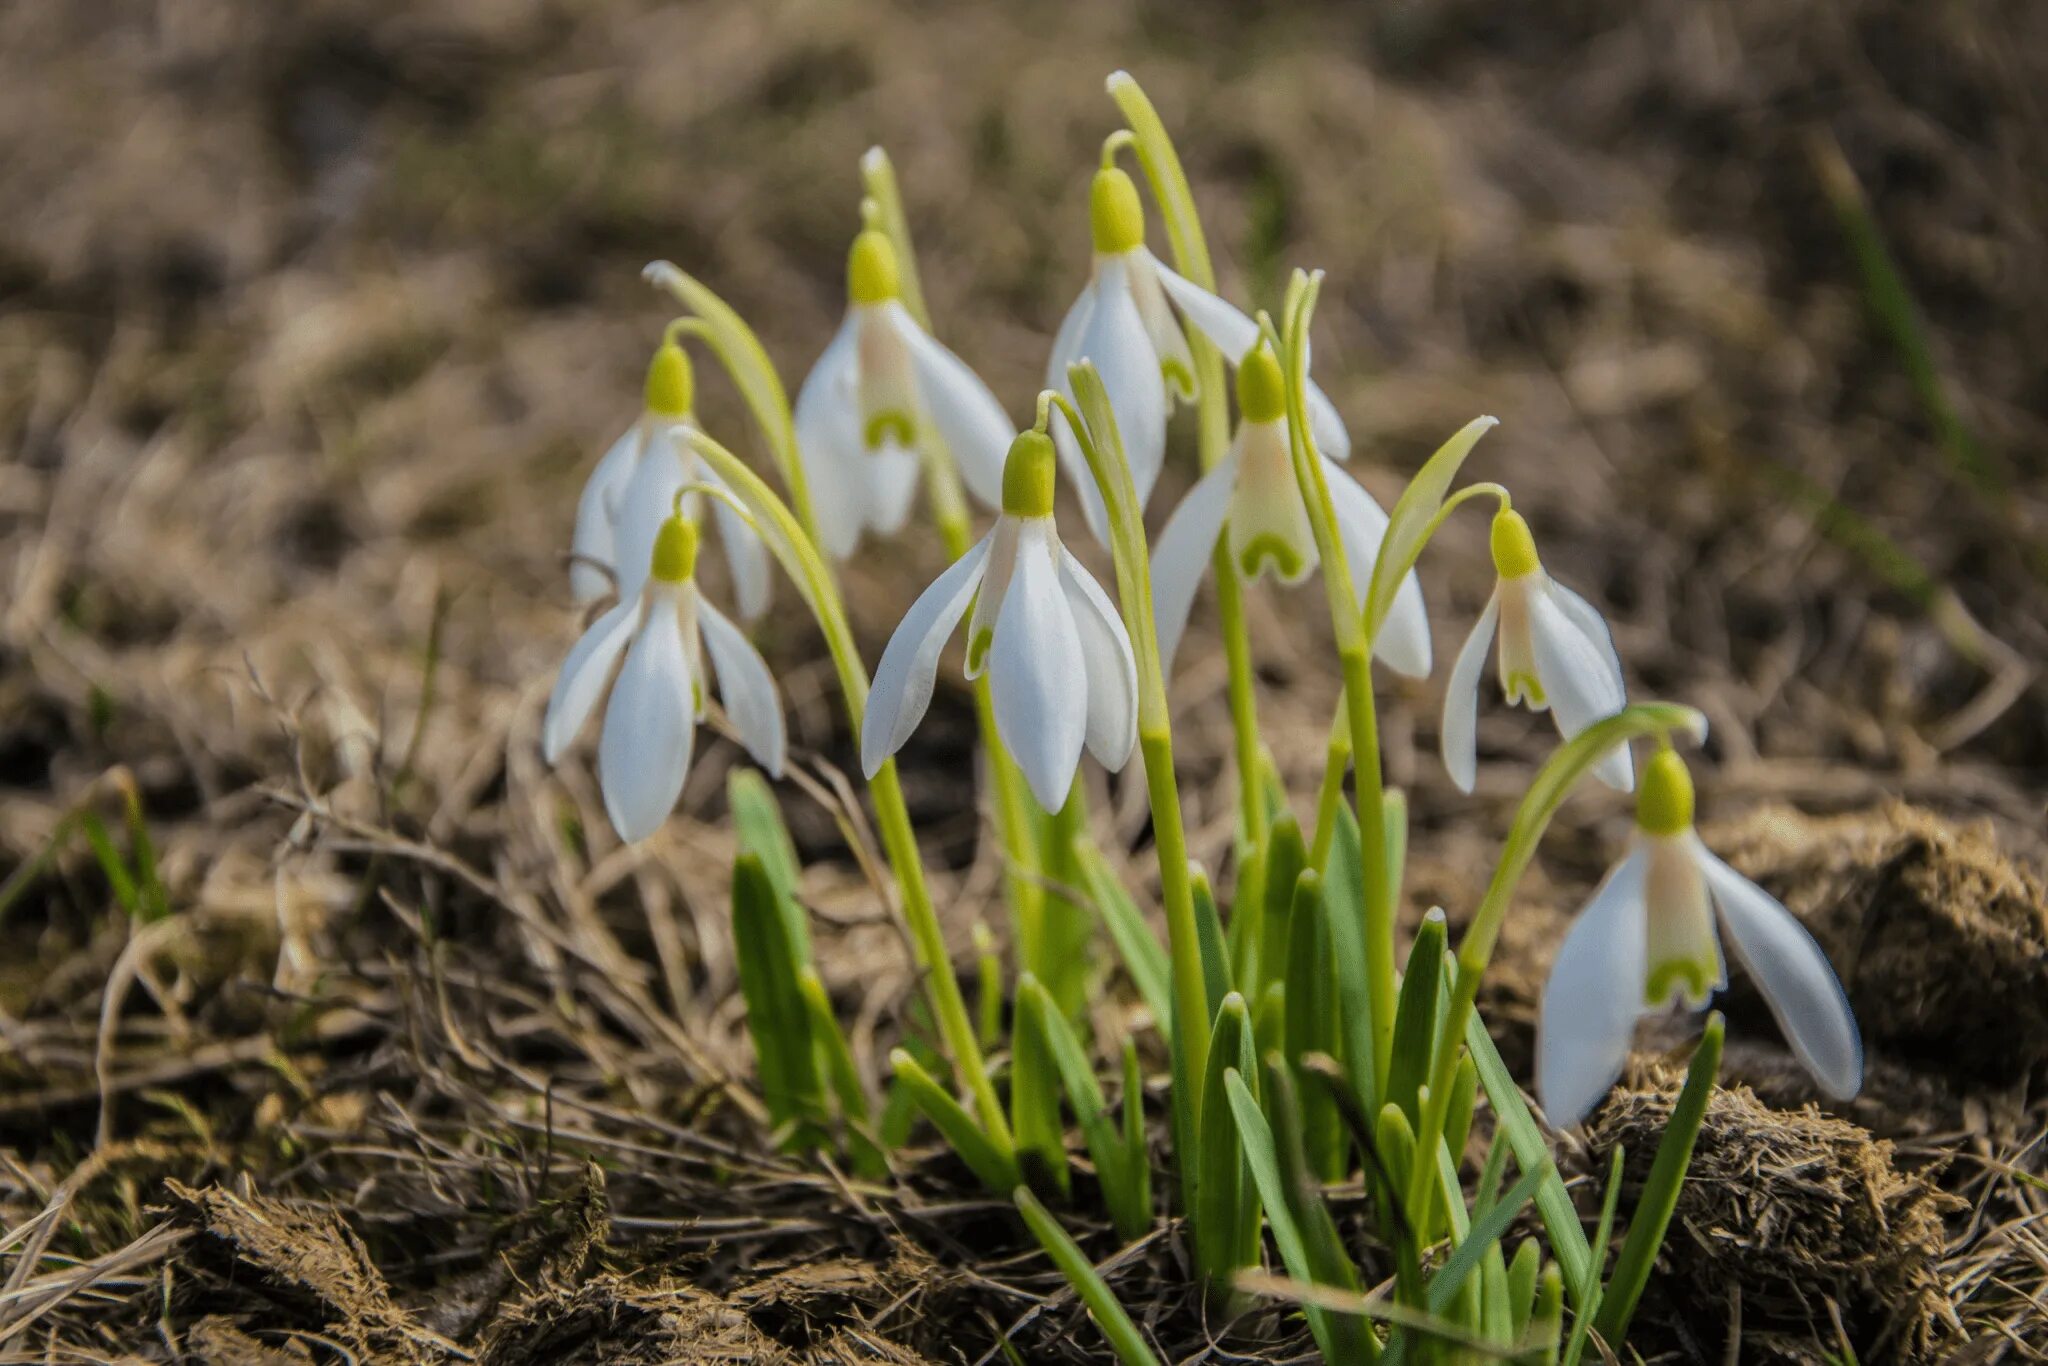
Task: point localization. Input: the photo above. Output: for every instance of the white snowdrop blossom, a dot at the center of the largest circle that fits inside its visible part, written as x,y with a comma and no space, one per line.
1556,654
1061,673
1122,323
1253,499
874,402
1647,939
633,489
664,630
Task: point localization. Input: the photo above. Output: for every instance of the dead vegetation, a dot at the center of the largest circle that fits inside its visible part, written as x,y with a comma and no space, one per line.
312,318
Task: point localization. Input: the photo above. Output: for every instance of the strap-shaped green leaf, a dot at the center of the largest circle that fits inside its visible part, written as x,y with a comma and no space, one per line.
995,1168
1110,1315
1144,957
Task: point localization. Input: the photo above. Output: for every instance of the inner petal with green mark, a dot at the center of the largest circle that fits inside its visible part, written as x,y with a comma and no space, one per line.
1681,951
1519,681
1268,526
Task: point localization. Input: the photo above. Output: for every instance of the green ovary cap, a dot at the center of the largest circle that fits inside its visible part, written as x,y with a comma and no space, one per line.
671,386
871,269
1261,392
1114,214
1514,549
675,551
1664,804
1028,475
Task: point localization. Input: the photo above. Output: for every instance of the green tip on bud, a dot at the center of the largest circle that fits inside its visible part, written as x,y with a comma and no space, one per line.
671,385
1664,803
1514,549
1028,474
871,269
1261,392
675,551
1114,214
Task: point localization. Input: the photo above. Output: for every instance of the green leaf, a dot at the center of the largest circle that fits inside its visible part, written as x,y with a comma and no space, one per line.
844,1073
1110,1316
1119,1164
1513,1122
995,1169
1583,1323
1209,934
1329,1261
1035,1090
1344,895
1144,957
1521,1290
1247,918
1485,1232
1286,856
1256,1137
1415,1016
1410,524
1659,1199
1219,1208
777,1015
1311,1008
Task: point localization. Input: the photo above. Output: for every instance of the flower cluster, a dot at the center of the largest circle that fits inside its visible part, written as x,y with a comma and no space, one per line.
1304,969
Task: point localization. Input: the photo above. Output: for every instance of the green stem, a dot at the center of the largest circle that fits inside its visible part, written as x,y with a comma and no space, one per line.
1161,164
806,566
1104,450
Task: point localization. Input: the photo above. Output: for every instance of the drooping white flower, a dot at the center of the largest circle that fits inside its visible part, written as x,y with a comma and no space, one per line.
1253,500
1556,654
650,724
870,406
633,490
1123,324
1647,939
1061,674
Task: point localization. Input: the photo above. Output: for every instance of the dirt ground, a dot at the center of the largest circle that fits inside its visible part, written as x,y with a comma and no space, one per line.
314,316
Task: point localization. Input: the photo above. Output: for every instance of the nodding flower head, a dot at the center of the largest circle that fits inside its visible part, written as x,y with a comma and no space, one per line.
1061,674
1253,501
884,397
650,724
1125,322
1556,655
1648,940
635,484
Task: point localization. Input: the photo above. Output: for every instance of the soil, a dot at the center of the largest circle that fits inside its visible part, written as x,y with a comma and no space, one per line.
313,318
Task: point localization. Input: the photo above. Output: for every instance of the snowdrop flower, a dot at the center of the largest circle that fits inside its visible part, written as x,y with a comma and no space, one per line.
651,721
1647,939
1253,499
873,400
1061,674
633,490
1123,324
1555,653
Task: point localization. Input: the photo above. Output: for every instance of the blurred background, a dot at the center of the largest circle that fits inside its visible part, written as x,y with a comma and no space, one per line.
313,318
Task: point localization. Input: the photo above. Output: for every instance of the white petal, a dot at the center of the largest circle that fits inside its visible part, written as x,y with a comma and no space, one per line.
582,679
828,439
903,680
1404,644
1592,625
1234,333
745,554
649,726
969,419
745,687
1169,343
1794,976
1068,338
1222,322
892,486
1036,678
594,541
1578,681
1593,998
995,582
1112,671
1116,341
1459,737
646,501
1181,555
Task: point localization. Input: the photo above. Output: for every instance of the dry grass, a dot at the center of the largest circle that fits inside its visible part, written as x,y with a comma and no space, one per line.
313,317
